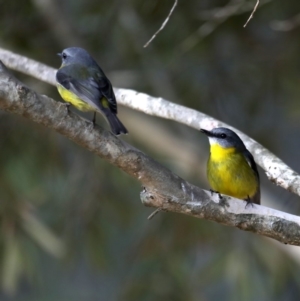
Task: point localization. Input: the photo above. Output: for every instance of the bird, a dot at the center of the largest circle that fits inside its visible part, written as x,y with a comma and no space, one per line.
81,82
231,168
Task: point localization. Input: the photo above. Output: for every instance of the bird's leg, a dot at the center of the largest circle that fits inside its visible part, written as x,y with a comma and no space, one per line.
222,200
248,202
93,123
67,106
94,119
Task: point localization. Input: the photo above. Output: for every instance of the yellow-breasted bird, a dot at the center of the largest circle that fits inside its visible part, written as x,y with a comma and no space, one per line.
82,83
231,169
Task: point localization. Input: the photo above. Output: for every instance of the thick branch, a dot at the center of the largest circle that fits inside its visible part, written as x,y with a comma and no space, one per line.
163,189
276,170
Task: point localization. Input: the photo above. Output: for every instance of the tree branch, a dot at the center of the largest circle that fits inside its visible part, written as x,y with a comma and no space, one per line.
162,188
276,170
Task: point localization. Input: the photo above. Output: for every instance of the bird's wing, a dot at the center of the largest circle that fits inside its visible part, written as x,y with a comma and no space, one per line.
251,162
107,91
92,89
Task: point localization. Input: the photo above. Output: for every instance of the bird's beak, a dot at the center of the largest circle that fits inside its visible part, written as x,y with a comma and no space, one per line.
59,54
206,132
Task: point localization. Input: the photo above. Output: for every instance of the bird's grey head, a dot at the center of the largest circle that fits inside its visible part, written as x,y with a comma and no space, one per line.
225,138
76,55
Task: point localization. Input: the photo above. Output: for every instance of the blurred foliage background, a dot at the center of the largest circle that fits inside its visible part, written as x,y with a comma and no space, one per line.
72,226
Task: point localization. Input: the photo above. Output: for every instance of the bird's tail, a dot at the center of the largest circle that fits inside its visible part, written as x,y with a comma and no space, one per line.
116,125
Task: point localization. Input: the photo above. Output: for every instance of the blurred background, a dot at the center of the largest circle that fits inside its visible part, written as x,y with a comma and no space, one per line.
72,227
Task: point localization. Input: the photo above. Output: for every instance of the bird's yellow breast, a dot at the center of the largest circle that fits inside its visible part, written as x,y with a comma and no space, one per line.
219,153
229,173
74,99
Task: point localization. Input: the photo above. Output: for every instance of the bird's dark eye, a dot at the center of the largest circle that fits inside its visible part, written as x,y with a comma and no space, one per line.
222,136
64,55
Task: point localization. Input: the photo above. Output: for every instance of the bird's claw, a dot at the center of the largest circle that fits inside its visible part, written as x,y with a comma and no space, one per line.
248,202
213,191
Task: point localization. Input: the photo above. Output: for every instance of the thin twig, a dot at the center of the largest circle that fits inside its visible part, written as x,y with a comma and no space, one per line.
251,16
154,213
163,25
